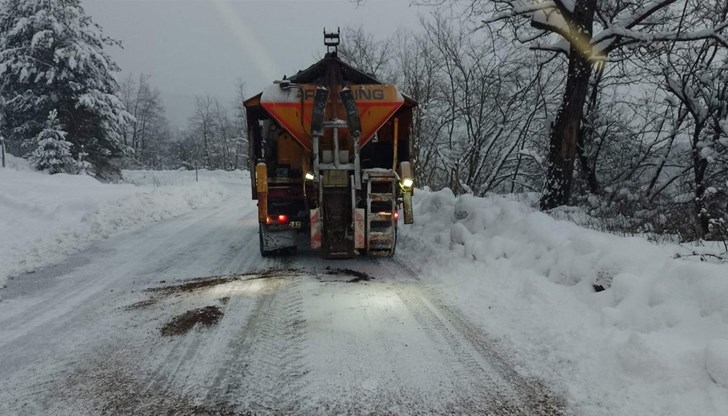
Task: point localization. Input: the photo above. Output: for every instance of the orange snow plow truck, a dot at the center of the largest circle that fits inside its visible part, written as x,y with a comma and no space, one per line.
329,152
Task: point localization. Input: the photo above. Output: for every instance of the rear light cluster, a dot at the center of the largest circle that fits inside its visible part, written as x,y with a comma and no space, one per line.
283,219
278,219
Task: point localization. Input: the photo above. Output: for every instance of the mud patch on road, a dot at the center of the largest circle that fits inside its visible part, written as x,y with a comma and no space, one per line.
272,273
181,324
195,284
200,283
158,294
142,304
356,275
211,411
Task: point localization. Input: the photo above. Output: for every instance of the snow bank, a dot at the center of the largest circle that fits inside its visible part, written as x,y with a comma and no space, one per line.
182,177
654,341
44,218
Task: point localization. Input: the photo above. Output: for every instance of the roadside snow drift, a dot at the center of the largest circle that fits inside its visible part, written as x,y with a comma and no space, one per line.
654,342
44,218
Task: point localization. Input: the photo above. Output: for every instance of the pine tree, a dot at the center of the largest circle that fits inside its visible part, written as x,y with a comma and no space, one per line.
52,152
52,57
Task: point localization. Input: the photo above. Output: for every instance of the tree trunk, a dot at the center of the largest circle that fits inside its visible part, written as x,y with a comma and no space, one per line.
700,166
565,134
588,132
567,127
590,174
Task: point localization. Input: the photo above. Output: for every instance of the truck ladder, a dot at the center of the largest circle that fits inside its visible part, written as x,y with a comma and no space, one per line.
381,225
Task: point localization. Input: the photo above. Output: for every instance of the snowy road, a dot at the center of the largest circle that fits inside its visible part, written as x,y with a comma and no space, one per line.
185,317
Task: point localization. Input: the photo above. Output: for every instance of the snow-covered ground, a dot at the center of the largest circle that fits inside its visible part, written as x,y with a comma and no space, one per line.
492,274
654,342
44,218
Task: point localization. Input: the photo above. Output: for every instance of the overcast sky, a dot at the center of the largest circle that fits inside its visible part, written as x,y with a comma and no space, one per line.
198,47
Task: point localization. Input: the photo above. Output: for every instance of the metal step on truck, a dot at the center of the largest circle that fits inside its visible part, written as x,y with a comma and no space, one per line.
330,150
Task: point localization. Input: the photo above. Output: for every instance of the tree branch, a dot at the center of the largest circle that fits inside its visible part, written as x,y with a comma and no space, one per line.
626,36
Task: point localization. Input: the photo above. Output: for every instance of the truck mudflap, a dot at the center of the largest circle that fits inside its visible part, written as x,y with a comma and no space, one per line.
360,240
337,239
409,217
273,241
315,221
261,184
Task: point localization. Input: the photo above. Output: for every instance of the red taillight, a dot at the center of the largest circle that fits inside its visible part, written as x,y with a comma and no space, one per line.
396,215
278,219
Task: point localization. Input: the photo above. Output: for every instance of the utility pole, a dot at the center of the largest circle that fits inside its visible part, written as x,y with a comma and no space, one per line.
2,123
2,146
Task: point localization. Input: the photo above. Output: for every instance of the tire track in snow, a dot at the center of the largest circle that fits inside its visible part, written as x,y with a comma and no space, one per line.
537,397
225,384
200,351
189,372
476,381
493,385
167,374
273,372
515,394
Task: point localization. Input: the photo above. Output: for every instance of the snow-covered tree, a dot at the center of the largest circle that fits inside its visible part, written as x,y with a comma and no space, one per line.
52,153
701,88
590,33
52,57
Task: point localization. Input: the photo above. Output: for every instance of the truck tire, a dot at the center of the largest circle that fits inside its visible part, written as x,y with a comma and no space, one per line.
394,247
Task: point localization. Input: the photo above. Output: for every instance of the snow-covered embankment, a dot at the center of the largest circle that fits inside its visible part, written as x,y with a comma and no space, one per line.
44,218
654,342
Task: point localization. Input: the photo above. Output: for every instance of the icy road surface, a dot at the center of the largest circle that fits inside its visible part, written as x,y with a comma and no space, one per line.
185,317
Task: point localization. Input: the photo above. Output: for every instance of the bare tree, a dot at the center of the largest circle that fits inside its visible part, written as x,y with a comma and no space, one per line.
218,137
149,134
360,49
417,61
202,125
483,126
588,31
700,85
240,128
